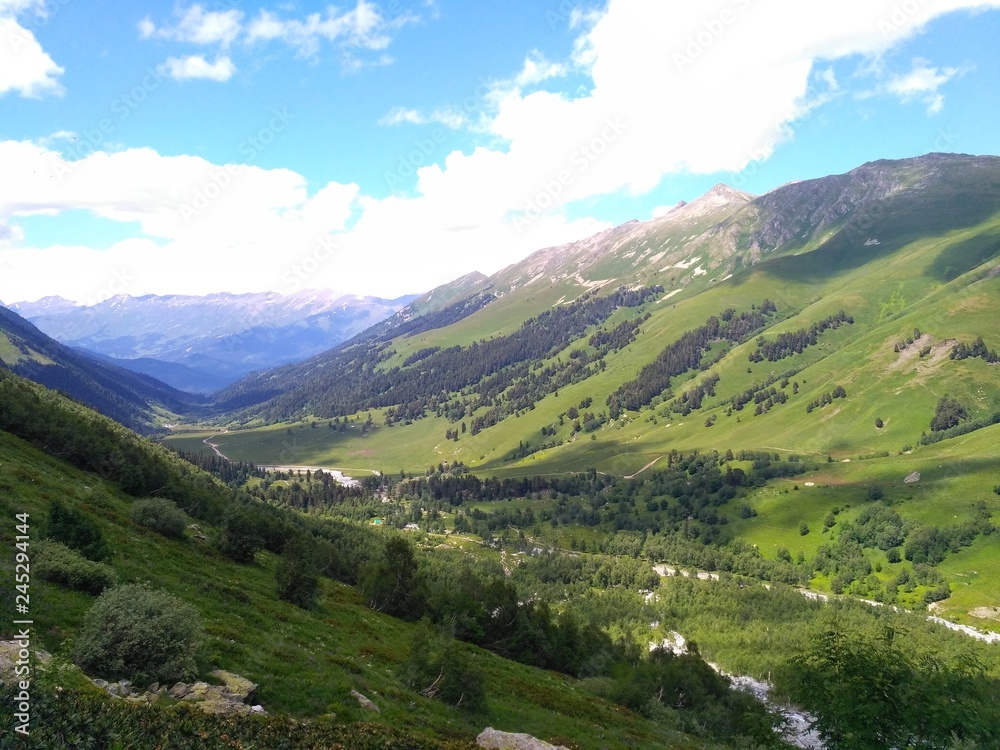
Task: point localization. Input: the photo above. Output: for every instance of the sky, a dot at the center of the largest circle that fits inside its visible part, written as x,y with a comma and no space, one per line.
384,148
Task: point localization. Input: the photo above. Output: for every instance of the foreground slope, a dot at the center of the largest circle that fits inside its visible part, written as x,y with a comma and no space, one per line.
306,662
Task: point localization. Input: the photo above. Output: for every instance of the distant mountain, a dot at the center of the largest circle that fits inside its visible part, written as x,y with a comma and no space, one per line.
207,342
126,397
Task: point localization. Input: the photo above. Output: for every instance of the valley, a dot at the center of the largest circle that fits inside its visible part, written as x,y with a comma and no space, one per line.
796,393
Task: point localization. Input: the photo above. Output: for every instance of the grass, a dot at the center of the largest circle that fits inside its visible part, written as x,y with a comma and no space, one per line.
306,663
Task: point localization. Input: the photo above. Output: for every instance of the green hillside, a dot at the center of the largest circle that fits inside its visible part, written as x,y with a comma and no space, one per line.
306,661
901,256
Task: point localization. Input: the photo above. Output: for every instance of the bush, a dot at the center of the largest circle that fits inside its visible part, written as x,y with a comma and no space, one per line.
439,668
161,516
57,563
142,634
240,537
76,530
297,574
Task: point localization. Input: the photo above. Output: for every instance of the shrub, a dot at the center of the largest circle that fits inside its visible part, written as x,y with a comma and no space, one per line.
297,574
141,634
76,530
161,516
57,563
439,668
240,538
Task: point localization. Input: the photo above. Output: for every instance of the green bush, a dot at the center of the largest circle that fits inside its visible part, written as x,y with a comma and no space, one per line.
438,668
141,634
297,574
161,516
76,530
57,563
240,537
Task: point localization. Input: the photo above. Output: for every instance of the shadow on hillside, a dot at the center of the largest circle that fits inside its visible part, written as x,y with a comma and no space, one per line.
895,223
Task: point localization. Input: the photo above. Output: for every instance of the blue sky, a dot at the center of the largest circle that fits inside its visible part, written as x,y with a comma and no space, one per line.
384,148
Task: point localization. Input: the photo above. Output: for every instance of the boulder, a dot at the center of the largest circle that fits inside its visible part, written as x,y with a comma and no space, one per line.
364,702
496,740
238,686
179,690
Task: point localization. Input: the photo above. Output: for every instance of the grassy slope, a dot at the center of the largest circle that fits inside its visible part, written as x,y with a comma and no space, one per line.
943,283
306,663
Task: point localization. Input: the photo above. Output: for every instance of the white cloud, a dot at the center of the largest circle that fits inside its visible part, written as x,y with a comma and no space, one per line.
672,87
449,117
192,67
24,66
922,82
364,27
195,25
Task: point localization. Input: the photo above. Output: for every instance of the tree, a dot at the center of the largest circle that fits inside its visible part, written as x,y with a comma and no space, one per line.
239,539
141,634
867,693
297,573
948,413
391,583
879,424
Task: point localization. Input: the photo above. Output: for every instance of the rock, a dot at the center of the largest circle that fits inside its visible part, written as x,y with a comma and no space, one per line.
912,477
153,687
113,689
364,702
496,740
10,654
259,709
240,687
102,684
198,692
179,690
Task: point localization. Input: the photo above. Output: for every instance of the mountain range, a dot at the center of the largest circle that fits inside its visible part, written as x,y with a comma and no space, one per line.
201,344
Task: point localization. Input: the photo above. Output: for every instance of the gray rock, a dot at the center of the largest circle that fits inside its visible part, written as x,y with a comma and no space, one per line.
240,687
153,687
258,709
495,740
179,690
364,702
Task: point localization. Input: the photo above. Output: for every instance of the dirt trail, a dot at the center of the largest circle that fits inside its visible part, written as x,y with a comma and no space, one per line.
215,446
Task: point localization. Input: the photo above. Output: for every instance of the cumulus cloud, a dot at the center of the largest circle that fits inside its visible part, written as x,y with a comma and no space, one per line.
363,27
195,25
193,67
671,87
24,66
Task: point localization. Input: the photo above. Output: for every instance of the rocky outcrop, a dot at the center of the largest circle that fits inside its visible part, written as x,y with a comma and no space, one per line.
496,740
232,697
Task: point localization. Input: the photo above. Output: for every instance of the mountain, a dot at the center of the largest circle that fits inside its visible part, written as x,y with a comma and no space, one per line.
207,342
127,397
803,244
